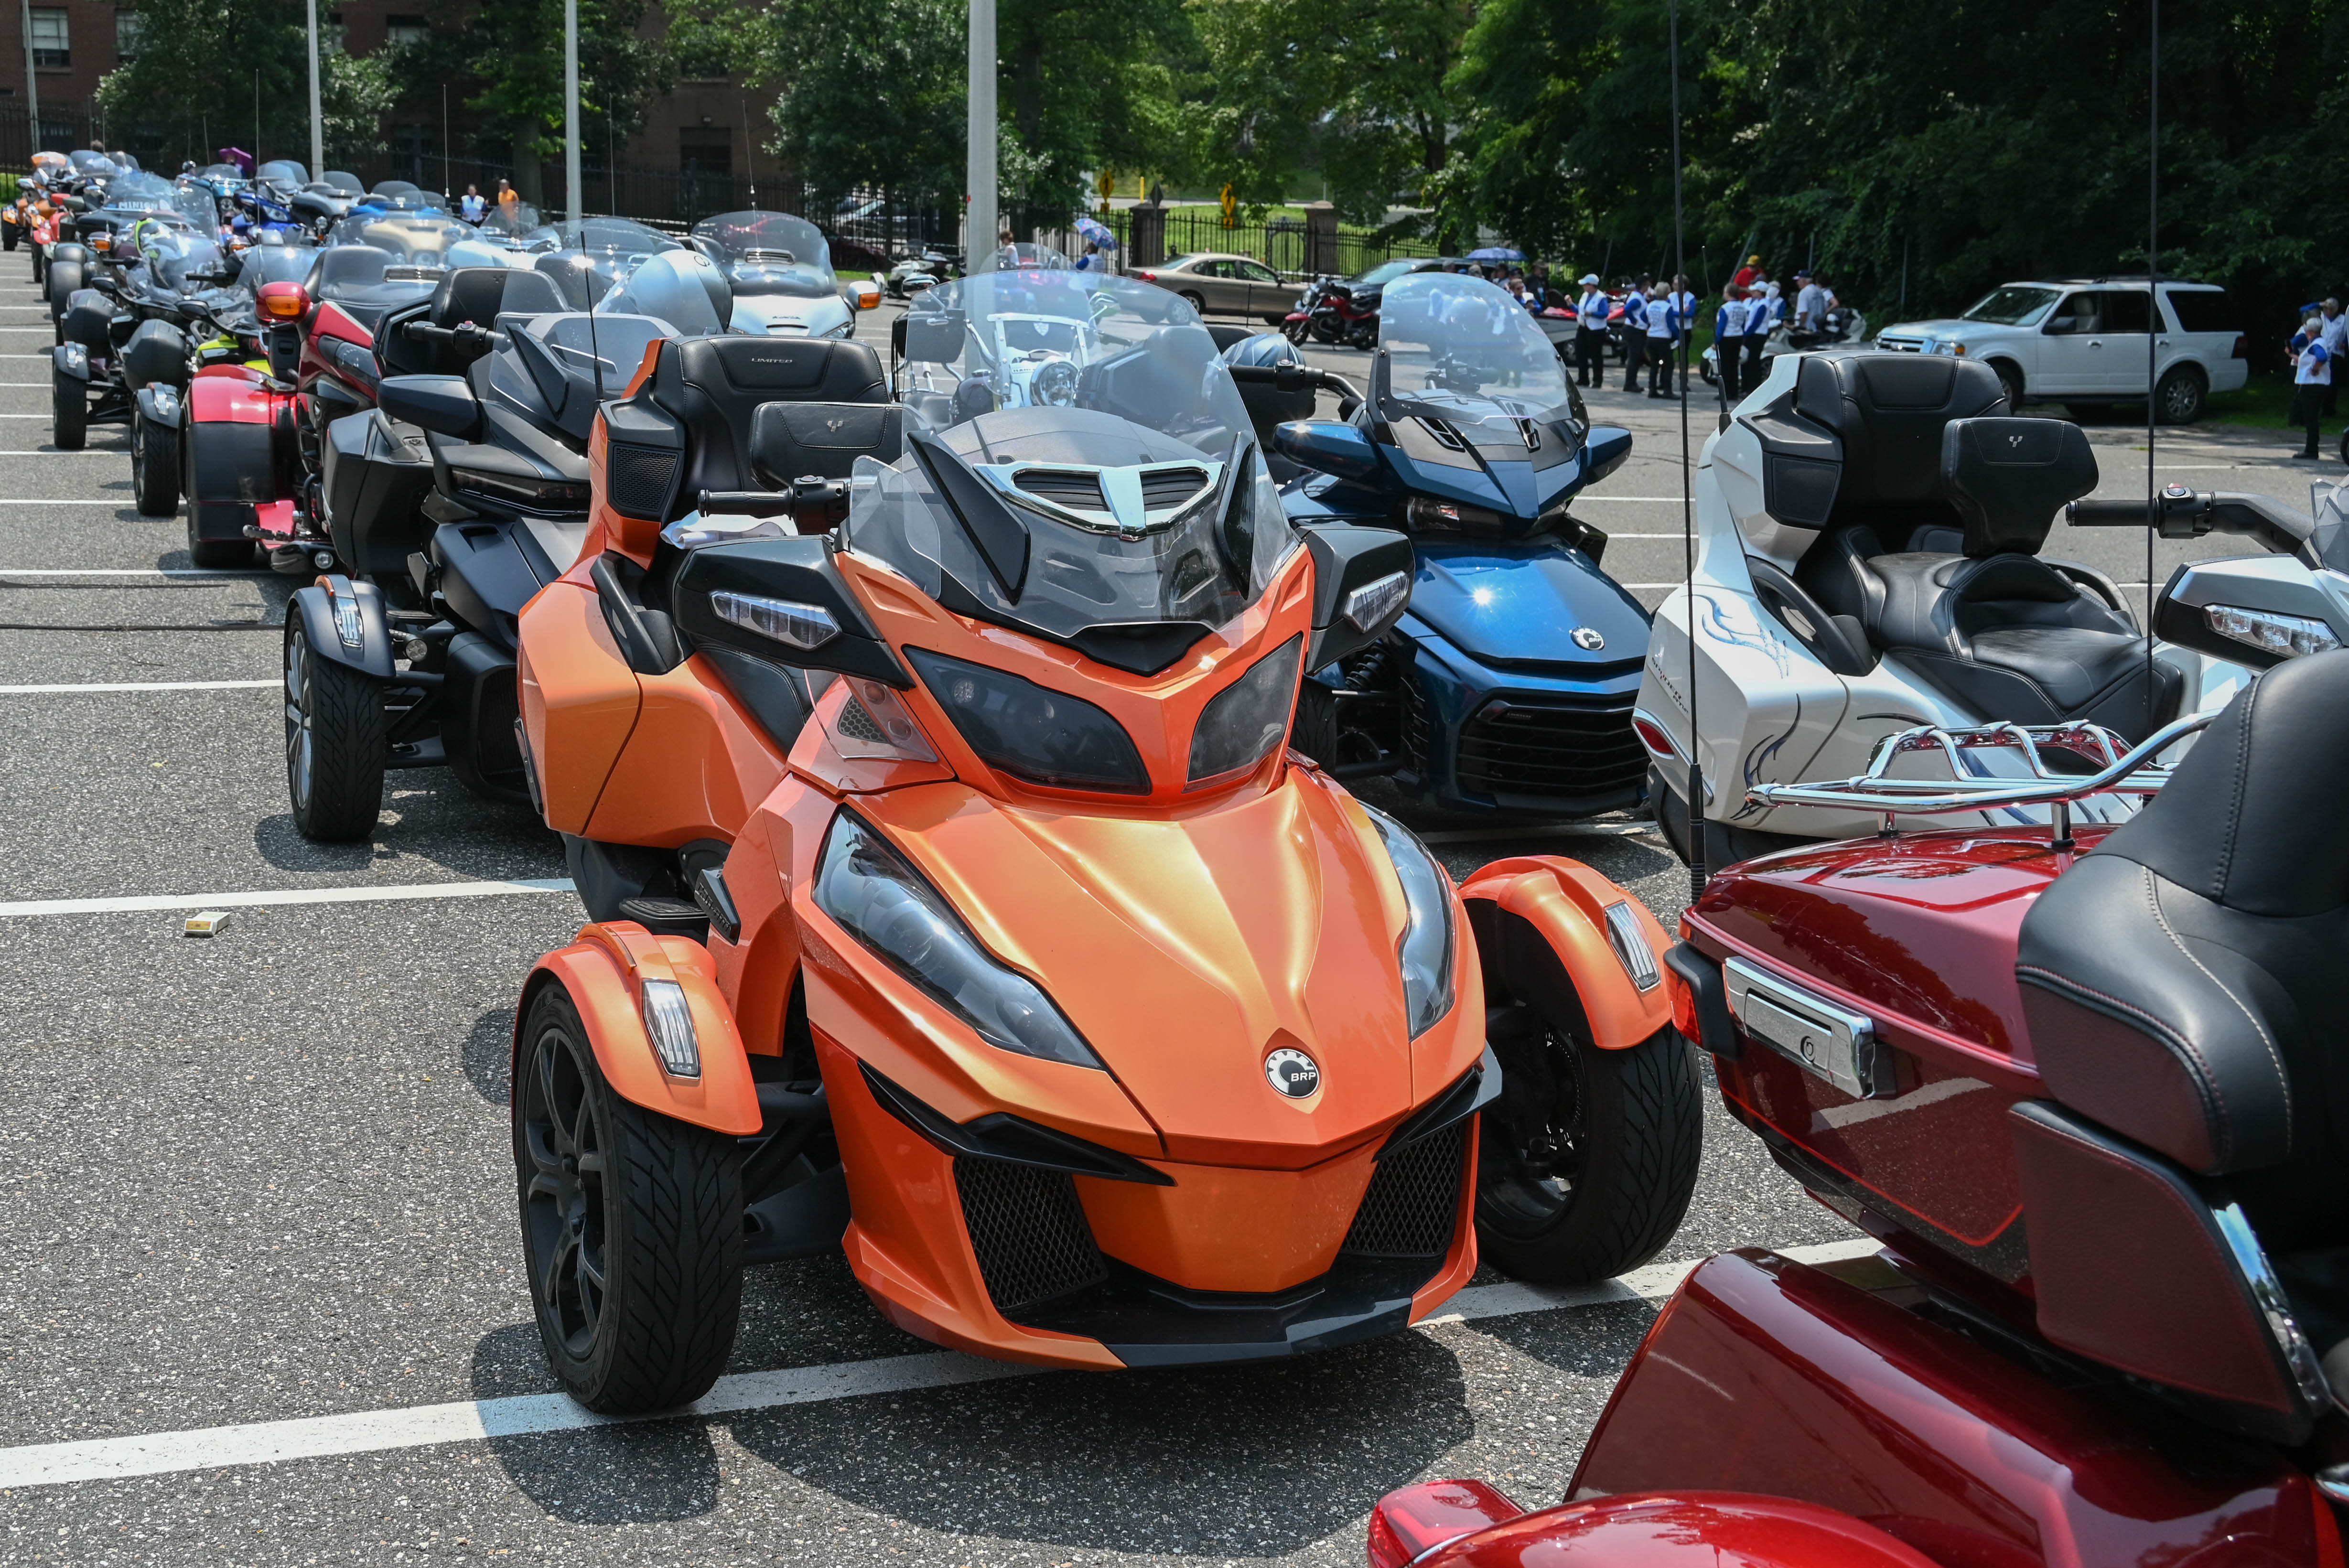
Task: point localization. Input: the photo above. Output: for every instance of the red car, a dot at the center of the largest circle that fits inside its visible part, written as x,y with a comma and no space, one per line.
2083,1086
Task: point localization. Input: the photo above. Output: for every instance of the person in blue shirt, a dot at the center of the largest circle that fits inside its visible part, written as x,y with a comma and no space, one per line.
1635,334
473,209
2312,375
1729,337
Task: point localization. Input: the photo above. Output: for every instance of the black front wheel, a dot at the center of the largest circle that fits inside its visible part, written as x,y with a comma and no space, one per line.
1590,1157
154,467
335,743
68,411
631,1224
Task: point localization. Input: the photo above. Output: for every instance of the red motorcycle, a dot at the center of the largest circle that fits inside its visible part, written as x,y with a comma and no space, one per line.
2086,1089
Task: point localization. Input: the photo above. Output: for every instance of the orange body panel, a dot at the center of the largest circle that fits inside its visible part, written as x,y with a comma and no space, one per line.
579,700
757,973
601,971
692,768
906,1242
1227,1227
814,755
1566,902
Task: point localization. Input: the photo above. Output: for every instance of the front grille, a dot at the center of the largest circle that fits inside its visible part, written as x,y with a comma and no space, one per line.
1415,724
637,478
1029,1230
1901,345
1554,747
1164,488
857,723
1079,492
1412,1206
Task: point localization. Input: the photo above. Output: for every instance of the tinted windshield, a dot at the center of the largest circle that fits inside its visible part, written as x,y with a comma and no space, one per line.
274,264
1386,272
139,192
1468,352
414,239
174,254
197,204
284,171
2011,306
773,253
604,249
1090,414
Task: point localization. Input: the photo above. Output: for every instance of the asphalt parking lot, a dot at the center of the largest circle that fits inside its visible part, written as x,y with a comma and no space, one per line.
260,1298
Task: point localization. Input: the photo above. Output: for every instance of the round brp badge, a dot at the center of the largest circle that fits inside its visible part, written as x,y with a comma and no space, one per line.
1292,1073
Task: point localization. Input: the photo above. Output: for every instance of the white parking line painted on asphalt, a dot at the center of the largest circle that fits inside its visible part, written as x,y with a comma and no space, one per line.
66,690
143,571
430,1425
285,896
120,500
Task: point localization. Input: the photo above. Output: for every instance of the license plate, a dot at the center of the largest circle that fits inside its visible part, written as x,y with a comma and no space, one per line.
1826,1041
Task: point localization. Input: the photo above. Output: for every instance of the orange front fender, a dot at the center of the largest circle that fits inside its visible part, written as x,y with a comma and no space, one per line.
1541,932
601,971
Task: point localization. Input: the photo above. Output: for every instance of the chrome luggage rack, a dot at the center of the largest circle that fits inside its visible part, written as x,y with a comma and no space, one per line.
2124,772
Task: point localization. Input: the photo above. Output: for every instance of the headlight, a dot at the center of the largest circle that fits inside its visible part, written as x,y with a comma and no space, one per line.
1055,385
2290,636
1032,732
1246,719
1425,951
877,897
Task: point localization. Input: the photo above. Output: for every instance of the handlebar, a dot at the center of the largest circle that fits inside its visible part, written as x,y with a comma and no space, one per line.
2179,512
463,331
809,499
1296,378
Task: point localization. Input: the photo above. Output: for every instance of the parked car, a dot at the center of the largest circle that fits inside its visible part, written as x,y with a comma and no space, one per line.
1219,283
2081,341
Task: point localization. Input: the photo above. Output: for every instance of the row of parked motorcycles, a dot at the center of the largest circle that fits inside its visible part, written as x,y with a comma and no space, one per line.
908,721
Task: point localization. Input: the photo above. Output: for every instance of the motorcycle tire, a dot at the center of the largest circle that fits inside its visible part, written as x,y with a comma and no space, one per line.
154,468
1294,331
635,1266
335,743
1615,1139
68,412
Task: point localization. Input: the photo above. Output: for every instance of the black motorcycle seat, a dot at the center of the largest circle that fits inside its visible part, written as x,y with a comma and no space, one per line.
2182,983
717,385
2011,638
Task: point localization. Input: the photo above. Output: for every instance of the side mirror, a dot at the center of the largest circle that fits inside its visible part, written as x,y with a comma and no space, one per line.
1362,584
1328,446
1604,451
442,403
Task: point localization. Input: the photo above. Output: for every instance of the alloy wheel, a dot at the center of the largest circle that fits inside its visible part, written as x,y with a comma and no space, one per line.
1535,1143
563,1208
300,750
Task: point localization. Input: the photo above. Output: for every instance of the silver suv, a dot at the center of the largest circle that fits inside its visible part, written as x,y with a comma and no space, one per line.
2082,342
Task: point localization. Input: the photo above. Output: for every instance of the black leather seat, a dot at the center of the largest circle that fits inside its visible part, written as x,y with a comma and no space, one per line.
821,440
468,295
717,385
1970,607
2182,983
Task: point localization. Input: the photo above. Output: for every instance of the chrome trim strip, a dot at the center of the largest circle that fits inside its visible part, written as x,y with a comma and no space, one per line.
1824,1040
2266,1290
2134,773
1121,488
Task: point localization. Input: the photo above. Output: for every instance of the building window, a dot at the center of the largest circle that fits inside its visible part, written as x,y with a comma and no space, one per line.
126,33
401,32
50,44
330,33
706,149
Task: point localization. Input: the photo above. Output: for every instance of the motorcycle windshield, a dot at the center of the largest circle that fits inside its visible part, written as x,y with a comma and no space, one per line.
1461,350
414,239
596,253
283,172
183,259
772,253
1079,457
141,193
197,204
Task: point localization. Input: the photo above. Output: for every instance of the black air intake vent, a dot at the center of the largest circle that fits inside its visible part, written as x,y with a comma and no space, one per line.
638,479
1412,1207
1029,1230
1078,492
1162,487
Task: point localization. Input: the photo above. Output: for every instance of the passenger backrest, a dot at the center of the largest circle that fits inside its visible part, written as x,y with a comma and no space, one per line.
1889,410
2007,477
716,386
821,440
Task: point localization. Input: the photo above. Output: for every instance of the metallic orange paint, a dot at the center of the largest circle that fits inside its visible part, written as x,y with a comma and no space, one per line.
1568,902
579,700
692,768
602,971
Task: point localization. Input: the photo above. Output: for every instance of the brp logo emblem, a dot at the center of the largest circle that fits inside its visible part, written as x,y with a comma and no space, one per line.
1292,1073
2014,440
1588,639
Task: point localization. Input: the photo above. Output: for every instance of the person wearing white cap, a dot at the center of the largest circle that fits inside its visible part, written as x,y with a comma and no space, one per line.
1590,334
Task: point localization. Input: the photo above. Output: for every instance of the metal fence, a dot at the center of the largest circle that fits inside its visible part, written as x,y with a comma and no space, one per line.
1285,244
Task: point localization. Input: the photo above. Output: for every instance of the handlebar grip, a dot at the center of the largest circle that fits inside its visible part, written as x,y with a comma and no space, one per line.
2108,514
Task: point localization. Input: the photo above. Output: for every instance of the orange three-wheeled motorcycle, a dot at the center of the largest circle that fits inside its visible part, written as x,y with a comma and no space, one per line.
920,751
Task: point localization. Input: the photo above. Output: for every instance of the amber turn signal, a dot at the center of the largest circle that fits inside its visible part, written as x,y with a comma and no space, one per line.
284,302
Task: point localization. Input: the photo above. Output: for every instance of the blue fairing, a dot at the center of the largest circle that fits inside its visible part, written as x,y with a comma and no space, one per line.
1505,710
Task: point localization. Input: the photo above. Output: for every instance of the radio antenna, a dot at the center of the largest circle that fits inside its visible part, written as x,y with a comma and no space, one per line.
594,344
2152,338
1687,506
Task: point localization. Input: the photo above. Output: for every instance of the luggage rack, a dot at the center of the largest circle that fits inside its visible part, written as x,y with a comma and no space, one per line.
2122,772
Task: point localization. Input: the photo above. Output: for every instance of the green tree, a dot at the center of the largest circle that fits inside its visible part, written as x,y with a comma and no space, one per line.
871,95
514,51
